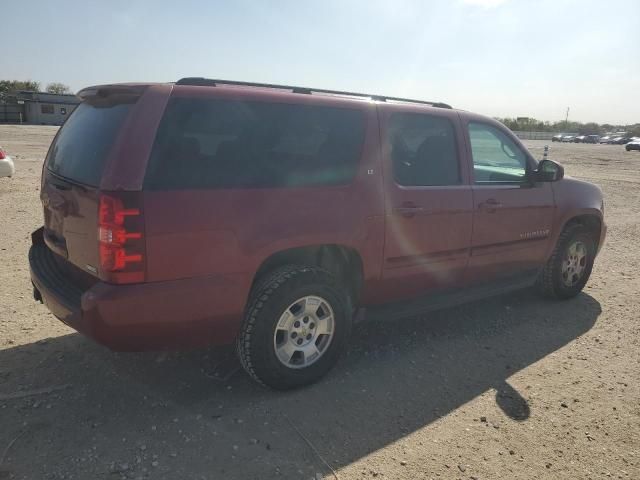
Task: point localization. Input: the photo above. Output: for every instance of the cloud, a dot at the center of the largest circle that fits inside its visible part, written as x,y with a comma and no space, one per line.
485,3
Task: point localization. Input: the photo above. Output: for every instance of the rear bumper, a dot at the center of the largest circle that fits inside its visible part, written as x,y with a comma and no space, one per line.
169,315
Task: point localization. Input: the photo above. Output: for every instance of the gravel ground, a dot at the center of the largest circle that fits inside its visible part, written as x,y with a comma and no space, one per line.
510,387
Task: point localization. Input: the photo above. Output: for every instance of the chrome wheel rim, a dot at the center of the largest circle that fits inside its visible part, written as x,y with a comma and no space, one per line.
304,332
574,264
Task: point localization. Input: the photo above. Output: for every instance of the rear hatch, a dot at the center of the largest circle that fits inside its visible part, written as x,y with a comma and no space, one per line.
72,176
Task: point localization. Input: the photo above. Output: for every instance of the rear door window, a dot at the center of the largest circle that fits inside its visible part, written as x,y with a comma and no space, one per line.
423,150
80,150
204,144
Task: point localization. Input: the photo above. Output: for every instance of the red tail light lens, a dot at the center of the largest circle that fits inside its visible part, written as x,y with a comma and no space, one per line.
120,239
2,155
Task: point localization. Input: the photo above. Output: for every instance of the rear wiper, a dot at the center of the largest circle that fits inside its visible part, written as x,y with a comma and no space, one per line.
60,186
63,184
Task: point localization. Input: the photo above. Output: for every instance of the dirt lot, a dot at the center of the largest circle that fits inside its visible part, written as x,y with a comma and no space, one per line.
514,387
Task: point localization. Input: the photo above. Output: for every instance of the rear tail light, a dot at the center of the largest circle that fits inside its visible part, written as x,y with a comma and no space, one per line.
120,238
2,155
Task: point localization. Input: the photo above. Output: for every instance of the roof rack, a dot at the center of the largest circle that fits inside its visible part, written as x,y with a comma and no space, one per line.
208,82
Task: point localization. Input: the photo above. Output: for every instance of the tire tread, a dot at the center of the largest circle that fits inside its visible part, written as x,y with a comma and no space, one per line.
260,297
546,282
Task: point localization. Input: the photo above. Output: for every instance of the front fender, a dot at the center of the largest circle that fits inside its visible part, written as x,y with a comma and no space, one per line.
576,199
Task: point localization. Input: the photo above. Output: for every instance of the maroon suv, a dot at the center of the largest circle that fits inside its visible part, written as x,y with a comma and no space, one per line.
206,212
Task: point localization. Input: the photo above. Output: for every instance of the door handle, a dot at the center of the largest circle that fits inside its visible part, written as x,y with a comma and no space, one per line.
490,205
407,210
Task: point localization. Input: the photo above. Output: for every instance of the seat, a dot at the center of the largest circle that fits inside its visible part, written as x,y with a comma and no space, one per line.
436,162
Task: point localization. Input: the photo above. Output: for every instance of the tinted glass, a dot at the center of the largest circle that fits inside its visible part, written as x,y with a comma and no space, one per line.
496,158
233,144
423,150
81,148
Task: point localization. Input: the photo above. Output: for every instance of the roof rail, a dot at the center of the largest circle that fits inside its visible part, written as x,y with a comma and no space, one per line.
208,82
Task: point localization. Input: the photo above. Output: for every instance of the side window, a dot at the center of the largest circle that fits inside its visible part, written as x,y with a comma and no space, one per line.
496,158
423,150
235,144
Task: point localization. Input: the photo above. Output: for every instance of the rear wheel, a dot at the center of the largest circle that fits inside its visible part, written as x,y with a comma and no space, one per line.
567,271
296,325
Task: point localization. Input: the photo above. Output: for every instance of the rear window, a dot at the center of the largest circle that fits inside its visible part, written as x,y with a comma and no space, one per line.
204,144
81,148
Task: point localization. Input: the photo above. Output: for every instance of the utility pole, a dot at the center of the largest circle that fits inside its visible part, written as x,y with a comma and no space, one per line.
566,119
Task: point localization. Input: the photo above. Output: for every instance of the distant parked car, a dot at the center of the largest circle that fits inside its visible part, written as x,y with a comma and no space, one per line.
557,138
621,140
579,139
7,169
633,144
568,138
592,139
606,139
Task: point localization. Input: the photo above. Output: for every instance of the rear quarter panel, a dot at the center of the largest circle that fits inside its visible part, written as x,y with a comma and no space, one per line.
193,233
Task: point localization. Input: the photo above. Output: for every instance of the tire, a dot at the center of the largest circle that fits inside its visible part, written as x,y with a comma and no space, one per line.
554,282
262,341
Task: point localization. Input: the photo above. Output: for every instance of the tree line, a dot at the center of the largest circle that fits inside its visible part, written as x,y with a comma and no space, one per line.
591,128
7,86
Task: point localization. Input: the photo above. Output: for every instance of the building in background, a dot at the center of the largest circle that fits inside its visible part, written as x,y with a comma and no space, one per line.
37,108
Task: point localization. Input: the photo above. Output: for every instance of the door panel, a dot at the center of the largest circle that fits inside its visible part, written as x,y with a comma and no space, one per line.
429,249
427,227
512,216
511,229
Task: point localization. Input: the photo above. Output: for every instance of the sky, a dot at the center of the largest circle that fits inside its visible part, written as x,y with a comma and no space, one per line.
503,58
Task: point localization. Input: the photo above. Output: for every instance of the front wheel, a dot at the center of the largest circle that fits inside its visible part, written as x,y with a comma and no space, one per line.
296,325
567,271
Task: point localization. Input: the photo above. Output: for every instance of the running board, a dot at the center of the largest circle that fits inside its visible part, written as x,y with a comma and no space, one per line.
447,299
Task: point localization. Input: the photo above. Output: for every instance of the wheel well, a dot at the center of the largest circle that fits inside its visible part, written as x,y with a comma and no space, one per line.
343,262
592,222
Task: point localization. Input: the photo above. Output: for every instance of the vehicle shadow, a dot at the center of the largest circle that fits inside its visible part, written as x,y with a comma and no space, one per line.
195,415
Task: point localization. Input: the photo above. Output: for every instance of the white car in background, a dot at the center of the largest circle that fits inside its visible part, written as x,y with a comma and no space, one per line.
634,144
7,168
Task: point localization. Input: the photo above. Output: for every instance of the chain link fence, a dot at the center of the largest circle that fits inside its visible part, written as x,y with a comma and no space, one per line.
534,135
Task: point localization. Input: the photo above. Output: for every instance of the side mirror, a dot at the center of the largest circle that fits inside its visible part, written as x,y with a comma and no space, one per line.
549,171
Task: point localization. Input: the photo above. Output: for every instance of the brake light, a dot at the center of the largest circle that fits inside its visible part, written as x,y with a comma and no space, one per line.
2,155
120,240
